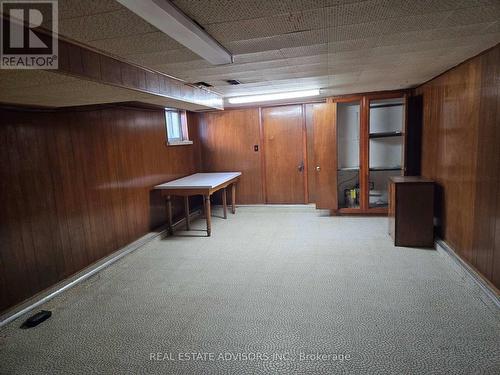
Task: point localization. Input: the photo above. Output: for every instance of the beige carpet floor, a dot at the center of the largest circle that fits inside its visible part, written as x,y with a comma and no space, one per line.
274,290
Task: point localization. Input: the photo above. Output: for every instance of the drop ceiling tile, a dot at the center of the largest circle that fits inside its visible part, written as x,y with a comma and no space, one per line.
174,56
217,11
295,75
474,15
359,12
351,45
343,69
412,7
313,49
414,23
406,37
347,56
493,28
248,67
136,44
436,45
78,8
368,60
298,39
258,56
477,29
268,26
162,58
185,66
377,10
240,76
357,31
104,25
332,3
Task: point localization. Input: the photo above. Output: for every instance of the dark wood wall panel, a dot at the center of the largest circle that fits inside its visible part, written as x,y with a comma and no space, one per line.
227,144
488,166
83,62
76,186
461,136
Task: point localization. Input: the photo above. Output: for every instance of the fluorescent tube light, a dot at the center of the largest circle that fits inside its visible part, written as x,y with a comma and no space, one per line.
166,17
270,97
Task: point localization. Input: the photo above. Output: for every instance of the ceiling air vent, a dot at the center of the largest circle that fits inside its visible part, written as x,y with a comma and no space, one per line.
233,81
202,84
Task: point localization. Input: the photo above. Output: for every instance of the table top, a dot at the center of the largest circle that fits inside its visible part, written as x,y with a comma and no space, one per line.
199,181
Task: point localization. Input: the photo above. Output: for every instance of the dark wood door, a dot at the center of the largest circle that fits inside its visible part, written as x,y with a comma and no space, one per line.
283,133
325,154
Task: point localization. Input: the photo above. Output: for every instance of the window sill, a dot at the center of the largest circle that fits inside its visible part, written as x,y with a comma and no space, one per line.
179,143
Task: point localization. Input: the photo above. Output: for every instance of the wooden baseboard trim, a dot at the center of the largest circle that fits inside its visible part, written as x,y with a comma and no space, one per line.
470,273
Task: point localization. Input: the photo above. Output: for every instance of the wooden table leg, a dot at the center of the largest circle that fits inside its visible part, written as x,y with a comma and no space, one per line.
169,215
208,214
233,197
186,209
224,202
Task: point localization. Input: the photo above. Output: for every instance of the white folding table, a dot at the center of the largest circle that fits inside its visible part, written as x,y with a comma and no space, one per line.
204,184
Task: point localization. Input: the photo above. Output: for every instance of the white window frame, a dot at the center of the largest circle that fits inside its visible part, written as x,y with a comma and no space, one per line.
183,138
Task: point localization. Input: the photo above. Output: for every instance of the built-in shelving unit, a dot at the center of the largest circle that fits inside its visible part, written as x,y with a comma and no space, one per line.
370,140
386,134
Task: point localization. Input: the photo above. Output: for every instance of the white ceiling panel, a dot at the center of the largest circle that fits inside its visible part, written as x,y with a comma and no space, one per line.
108,25
493,28
467,16
259,56
297,39
268,26
151,42
221,11
78,8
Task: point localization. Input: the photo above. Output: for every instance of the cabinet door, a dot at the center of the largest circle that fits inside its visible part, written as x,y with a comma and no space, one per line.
325,154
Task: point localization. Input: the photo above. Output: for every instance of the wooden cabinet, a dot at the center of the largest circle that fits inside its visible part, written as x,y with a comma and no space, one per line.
411,211
370,149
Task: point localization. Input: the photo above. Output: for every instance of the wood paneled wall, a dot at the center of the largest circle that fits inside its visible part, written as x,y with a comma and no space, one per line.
460,150
227,144
76,186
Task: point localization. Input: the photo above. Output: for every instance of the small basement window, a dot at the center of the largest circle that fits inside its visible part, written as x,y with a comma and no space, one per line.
176,127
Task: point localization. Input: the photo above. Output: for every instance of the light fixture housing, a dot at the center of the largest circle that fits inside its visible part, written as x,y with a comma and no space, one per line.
274,96
166,17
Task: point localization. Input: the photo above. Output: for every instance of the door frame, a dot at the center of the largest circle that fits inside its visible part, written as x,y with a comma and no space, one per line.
305,155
